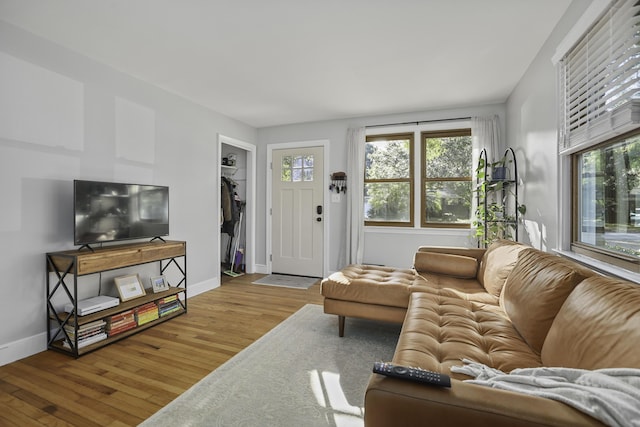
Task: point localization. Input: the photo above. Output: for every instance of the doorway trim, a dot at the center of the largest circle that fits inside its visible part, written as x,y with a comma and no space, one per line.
250,209
324,143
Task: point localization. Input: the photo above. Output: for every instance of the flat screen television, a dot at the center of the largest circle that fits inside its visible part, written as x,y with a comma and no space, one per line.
110,211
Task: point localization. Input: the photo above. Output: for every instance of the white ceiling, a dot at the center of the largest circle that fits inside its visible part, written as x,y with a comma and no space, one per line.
271,62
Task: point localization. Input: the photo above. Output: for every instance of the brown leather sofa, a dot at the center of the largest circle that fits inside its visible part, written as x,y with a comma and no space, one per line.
510,306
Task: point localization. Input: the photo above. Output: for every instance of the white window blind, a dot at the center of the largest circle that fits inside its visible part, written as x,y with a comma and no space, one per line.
600,80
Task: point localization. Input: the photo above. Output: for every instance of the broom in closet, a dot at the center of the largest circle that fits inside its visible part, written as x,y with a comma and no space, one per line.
236,250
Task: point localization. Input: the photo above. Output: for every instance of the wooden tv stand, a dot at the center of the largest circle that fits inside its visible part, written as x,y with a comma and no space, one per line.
64,268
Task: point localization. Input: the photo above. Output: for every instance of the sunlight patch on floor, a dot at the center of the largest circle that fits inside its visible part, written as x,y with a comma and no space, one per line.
329,394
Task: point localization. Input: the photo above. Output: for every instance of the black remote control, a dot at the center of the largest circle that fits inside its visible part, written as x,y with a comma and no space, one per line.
412,374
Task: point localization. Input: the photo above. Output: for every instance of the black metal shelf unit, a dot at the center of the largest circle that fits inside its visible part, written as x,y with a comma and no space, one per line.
67,266
497,210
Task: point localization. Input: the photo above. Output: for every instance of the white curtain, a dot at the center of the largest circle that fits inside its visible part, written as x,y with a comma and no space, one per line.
485,133
356,139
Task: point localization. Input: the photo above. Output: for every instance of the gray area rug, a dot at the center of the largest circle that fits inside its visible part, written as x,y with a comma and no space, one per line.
285,281
298,374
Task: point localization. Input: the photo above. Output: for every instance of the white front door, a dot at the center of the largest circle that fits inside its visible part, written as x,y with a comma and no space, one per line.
298,211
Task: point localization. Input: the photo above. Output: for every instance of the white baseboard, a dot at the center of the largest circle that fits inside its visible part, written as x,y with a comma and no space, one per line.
16,350
262,269
198,288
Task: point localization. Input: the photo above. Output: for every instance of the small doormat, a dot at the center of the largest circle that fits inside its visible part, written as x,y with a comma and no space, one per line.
298,282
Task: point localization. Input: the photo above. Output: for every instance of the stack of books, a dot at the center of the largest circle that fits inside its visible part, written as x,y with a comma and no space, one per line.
168,305
146,313
121,322
88,333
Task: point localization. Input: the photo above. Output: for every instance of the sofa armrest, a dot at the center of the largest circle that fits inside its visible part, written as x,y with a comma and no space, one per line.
394,402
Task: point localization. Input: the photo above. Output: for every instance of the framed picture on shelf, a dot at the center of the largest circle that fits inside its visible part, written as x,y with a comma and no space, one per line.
159,284
129,287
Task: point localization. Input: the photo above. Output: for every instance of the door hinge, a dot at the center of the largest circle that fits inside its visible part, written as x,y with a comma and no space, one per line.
270,257
270,211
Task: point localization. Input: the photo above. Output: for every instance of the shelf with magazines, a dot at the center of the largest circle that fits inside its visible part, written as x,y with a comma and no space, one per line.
75,334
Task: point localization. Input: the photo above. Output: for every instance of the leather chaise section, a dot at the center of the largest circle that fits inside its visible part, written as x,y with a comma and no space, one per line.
370,284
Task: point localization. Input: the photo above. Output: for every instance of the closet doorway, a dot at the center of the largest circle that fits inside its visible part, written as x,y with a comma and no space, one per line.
237,172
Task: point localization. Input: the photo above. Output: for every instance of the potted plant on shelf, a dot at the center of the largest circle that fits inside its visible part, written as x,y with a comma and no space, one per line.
493,194
500,168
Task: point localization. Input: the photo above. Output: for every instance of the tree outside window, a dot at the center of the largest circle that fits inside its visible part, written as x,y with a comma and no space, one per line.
608,206
388,183
446,179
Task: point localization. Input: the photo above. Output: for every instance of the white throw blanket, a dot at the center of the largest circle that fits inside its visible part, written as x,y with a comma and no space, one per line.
609,395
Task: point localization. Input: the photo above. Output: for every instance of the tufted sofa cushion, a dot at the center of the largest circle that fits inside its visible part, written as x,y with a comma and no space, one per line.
496,264
440,330
536,289
370,284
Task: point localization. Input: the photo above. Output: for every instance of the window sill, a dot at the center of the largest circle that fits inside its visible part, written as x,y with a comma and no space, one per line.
423,231
601,267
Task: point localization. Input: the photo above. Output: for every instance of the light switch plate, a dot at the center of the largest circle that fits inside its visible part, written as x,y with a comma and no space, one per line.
335,198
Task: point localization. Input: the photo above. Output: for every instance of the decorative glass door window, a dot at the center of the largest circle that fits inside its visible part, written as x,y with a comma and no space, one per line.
297,168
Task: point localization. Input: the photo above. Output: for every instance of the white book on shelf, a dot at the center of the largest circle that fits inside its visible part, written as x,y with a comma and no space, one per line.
90,340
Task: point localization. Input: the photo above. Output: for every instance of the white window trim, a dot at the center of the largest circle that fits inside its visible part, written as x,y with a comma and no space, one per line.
585,22
600,266
424,231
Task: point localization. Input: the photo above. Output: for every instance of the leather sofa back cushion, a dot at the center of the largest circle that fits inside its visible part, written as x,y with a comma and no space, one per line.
464,267
497,263
536,289
597,327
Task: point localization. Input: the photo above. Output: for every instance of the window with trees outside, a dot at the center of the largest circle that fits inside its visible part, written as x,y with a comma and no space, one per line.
599,140
388,180
446,179
607,212
445,185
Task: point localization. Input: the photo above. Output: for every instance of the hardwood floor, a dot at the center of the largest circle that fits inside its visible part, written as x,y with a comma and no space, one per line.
124,383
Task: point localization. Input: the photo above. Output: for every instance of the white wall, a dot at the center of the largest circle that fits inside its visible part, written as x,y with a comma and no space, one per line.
532,131
390,247
64,116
